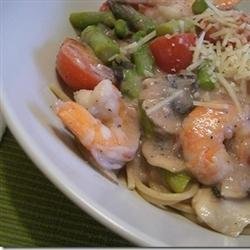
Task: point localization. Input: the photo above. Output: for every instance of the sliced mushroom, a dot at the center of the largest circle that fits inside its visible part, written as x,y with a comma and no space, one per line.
229,217
183,104
183,81
161,154
237,184
166,99
164,117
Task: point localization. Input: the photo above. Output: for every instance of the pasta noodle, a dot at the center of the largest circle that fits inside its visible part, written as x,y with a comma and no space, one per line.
165,197
58,92
130,175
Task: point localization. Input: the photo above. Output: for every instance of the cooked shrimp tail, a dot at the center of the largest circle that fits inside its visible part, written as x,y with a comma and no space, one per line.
202,137
104,124
108,148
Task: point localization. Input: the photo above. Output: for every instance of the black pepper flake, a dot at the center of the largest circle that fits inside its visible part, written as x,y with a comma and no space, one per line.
216,192
211,137
119,126
109,110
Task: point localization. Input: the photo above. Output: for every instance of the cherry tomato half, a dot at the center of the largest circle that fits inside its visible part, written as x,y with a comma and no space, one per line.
173,54
79,67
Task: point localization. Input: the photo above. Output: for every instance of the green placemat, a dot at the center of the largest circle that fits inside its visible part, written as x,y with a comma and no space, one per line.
34,213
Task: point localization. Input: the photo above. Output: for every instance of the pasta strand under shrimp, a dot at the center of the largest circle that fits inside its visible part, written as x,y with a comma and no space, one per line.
166,197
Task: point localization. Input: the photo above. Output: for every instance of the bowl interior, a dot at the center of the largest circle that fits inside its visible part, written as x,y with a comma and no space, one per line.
29,52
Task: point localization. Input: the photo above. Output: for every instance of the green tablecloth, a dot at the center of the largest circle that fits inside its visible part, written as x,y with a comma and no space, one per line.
34,213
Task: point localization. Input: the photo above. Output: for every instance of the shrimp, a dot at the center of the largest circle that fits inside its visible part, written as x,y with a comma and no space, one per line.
225,4
202,136
237,184
163,10
241,143
222,4
112,141
166,10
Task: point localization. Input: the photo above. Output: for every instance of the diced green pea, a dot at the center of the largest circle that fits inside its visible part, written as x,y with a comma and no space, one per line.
170,27
175,26
121,28
177,181
199,6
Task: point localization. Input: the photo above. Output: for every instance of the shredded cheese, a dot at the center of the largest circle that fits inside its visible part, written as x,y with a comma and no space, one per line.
230,91
198,46
113,57
232,62
212,7
164,102
131,48
243,87
212,105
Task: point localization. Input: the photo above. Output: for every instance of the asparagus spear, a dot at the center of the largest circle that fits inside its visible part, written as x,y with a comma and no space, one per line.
121,28
147,125
135,19
177,181
144,61
103,46
130,85
119,65
81,20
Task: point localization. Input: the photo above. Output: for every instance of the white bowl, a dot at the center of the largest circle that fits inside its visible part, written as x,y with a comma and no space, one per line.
32,33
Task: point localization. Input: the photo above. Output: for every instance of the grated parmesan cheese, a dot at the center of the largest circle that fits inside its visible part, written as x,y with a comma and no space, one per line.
212,105
131,48
198,46
212,7
230,91
165,101
232,62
